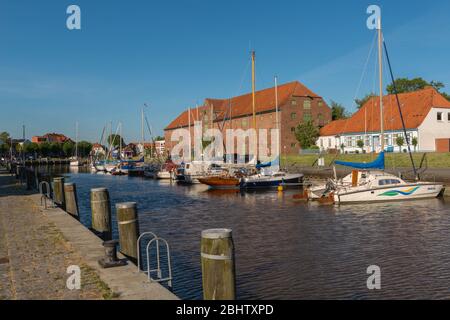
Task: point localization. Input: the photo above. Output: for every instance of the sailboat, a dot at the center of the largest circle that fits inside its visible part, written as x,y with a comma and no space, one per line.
369,182
269,175
74,161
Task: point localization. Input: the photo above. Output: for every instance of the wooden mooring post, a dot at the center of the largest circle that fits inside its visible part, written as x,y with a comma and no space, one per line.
218,268
127,221
58,192
101,213
70,195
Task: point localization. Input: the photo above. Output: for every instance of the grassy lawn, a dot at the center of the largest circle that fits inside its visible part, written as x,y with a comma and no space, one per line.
393,160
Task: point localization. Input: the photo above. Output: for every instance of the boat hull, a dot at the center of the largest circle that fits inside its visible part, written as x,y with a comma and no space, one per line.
270,182
392,193
164,175
74,163
221,182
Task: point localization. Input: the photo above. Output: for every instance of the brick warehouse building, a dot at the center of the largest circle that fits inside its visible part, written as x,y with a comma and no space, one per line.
296,104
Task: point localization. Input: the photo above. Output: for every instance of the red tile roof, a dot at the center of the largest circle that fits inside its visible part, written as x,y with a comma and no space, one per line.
242,105
415,107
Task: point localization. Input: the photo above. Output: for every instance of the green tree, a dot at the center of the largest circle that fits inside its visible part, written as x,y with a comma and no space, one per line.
360,145
409,85
158,138
5,138
31,148
84,148
68,148
55,149
415,142
115,140
364,100
400,141
446,96
306,134
4,148
44,149
337,111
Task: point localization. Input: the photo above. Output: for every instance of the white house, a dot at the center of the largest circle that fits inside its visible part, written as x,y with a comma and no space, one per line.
427,118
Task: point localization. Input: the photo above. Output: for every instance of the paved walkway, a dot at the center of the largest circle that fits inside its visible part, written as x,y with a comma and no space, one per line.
37,246
34,255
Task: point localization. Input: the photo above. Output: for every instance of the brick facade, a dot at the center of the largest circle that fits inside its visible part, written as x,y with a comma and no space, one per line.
296,104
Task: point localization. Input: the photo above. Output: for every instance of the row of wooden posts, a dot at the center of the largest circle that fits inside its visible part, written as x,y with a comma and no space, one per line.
217,247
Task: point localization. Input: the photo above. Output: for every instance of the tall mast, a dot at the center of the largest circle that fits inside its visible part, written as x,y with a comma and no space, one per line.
380,58
142,128
276,115
120,140
253,90
76,139
190,139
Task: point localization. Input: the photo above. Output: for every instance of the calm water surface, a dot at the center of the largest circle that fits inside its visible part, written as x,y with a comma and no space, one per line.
290,250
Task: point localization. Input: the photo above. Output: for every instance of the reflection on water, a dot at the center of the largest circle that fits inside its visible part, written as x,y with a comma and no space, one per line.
292,250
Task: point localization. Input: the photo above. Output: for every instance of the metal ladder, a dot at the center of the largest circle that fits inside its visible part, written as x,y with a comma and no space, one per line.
46,195
154,239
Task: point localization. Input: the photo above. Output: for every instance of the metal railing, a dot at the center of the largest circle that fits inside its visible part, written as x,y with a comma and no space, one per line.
154,239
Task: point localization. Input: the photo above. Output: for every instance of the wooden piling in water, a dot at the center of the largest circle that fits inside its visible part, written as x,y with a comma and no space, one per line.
58,192
218,268
127,221
28,178
101,212
70,195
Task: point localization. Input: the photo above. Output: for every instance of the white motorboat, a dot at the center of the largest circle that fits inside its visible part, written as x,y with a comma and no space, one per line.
374,186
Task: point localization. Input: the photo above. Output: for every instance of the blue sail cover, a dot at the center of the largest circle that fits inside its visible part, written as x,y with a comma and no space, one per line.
377,164
273,163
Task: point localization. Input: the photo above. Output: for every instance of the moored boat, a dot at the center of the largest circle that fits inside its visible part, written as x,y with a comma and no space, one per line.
221,182
375,186
273,180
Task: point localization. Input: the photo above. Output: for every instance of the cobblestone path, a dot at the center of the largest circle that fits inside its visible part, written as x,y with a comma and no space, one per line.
34,255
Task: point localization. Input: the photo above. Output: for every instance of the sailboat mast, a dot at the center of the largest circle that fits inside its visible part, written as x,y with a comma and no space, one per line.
190,138
253,89
76,139
142,128
380,58
120,140
276,115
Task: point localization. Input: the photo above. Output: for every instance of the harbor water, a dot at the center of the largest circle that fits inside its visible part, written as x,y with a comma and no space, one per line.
291,250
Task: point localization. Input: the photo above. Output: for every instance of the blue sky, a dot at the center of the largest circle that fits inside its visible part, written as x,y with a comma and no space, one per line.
173,54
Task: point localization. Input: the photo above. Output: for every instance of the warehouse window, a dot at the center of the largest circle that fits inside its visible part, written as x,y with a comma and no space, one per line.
307,117
448,116
307,104
293,116
439,116
294,102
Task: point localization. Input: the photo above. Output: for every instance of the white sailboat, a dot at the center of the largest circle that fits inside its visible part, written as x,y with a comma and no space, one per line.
369,182
74,161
